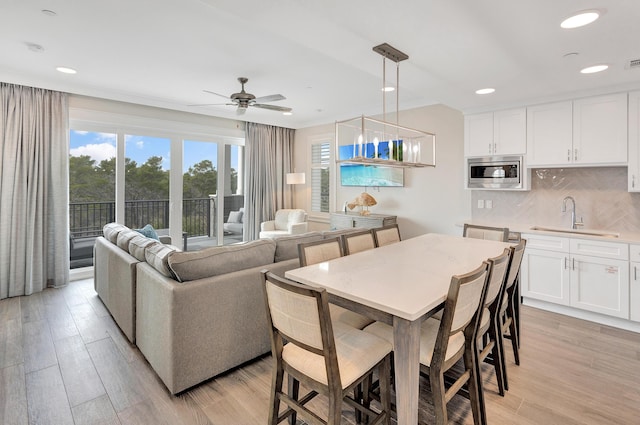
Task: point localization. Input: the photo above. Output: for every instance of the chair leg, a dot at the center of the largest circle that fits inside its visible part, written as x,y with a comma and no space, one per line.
514,340
294,392
276,389
476,395
335,409
438,391
497,354
385,388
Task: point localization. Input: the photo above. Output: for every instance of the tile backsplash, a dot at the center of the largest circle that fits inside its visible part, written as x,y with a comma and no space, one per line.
601,198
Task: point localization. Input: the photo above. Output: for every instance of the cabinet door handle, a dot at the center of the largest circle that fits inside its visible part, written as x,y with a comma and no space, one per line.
575,155
635,273
495,148
568,155
489,147
573,264
633,180
565,263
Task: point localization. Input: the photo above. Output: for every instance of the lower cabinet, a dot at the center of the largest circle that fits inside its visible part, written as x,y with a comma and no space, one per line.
587,274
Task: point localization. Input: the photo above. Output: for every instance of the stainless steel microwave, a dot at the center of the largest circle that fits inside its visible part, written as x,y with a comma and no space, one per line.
503,172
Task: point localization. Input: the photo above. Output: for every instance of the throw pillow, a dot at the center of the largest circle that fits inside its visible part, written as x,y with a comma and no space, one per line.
157,256
138,244
112,230
234,217
149,232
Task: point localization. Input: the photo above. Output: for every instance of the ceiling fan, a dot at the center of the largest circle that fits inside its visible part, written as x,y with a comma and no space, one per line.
243,100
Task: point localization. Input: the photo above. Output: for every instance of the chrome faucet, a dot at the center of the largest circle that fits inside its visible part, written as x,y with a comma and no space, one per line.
574,222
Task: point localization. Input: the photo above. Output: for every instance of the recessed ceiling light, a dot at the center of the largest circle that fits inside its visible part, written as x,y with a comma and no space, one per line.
580,19
594,69
66,70
388,88
488,90
287,113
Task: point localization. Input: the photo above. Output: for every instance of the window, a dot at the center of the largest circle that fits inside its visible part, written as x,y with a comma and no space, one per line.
320,176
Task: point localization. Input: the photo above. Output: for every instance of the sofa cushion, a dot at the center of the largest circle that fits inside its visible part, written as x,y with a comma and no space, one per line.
234,217
287,246
149,232
111,230
138,244
124,237
220,260
157,256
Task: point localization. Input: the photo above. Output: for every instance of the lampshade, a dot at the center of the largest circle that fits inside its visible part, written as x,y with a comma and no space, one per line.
295,178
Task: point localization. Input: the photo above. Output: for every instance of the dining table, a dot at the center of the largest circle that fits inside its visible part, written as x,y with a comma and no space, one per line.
401,284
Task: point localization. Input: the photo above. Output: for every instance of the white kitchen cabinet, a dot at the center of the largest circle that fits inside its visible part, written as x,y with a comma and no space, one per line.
582,273
588,131
544,272
634,142
496,133
549,134
600,129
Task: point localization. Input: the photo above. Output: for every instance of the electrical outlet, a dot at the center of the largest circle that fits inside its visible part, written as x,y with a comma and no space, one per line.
488,203
480,203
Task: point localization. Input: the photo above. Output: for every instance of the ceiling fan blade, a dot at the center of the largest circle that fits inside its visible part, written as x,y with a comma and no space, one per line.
217,94
270,98
210,104
272,107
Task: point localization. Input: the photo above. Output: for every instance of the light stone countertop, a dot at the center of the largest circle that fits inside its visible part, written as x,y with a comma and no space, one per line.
560,232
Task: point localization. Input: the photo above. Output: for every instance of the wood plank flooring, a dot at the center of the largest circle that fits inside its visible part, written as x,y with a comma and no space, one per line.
64,361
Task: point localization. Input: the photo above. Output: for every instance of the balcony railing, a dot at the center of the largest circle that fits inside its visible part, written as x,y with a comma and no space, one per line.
86,219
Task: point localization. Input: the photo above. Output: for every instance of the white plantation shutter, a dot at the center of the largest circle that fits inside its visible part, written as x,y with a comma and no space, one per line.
320,155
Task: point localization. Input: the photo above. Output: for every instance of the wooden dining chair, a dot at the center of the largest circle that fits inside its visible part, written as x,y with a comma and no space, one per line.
358,241
510,305
324,362
325,250
387,235
444,342
490,332
485,232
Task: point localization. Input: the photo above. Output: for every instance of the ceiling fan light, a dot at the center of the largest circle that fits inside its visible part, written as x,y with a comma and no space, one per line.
388,89
66,70
580,19
287,113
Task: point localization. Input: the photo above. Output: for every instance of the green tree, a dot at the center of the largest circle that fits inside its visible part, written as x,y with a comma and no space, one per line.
200,180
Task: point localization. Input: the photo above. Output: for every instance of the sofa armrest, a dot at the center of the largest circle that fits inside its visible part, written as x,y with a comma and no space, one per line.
298,228
165,239
268,225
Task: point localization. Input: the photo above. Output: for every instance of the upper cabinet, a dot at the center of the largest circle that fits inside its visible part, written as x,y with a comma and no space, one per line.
496,133
589,131
634,142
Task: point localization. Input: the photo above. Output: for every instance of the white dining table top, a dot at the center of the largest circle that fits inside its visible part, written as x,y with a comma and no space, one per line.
406,279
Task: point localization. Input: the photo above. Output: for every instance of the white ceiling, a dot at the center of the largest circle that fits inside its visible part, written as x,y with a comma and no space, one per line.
318,53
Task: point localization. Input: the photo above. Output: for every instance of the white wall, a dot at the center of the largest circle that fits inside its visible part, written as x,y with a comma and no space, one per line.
432,200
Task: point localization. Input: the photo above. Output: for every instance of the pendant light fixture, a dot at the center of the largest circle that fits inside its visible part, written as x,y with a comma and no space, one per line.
366,140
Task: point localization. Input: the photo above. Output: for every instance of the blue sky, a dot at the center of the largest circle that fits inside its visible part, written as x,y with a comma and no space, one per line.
101,146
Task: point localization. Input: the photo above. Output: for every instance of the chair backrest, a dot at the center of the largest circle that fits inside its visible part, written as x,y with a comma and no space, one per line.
517,252
461,308
297,313
497,276
486,232
387,235
358,241
319,251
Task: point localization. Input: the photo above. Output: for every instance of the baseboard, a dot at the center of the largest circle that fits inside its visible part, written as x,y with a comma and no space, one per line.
583,314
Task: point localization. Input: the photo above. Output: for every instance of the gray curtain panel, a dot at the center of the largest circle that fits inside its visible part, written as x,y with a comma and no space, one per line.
268,158
34,195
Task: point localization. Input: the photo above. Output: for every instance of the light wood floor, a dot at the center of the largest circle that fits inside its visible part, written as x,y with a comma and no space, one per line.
64,361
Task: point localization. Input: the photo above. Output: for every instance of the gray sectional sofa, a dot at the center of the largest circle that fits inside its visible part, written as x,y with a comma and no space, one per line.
193,315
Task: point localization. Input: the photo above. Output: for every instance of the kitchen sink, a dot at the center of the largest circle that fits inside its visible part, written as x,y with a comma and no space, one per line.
586,232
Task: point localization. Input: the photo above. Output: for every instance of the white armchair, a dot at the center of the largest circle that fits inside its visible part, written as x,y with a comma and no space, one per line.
286,222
